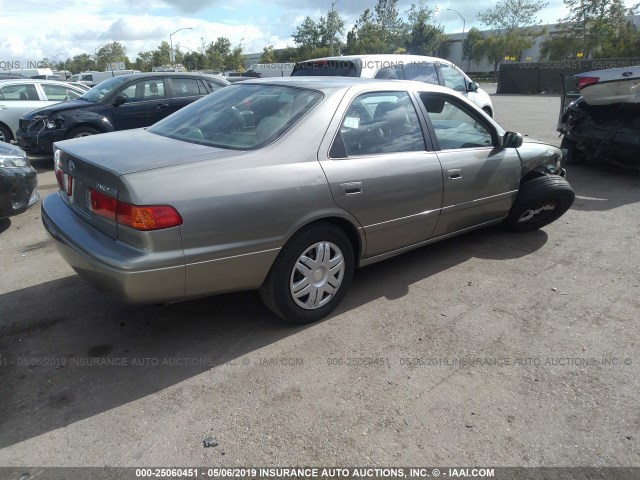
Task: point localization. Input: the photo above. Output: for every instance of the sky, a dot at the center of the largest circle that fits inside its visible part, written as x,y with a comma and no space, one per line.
31,30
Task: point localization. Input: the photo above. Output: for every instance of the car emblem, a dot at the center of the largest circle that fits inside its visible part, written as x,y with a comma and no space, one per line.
627,74
71,165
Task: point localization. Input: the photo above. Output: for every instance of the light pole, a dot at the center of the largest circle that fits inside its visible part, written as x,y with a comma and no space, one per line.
333,33
462,47
171,42
95,52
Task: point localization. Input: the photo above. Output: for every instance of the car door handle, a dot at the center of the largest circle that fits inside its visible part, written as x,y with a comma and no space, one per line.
162,105
351,188
3,107
455,173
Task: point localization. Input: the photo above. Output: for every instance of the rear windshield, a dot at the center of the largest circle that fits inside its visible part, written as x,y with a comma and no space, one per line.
326,68
239,117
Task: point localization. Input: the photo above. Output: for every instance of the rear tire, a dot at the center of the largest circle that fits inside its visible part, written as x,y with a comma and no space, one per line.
5,134
83,132
311,275
540,201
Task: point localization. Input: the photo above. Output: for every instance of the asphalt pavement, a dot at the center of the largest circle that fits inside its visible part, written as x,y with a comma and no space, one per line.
489,349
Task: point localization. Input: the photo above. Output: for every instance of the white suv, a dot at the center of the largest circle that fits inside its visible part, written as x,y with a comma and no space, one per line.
401,67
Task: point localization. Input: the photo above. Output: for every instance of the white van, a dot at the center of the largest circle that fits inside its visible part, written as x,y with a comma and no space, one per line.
437,71
94,77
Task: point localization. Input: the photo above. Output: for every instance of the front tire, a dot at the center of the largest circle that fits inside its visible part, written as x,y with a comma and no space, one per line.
83,132
540,201
311,275
5,134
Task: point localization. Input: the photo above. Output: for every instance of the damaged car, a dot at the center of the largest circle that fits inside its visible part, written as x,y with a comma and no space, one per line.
286,185
600,117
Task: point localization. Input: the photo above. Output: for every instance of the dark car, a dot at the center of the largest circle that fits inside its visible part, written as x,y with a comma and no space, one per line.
606,130
119,103
18,181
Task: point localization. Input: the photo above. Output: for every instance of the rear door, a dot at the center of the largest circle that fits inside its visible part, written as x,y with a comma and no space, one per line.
380,170
185,90
481,178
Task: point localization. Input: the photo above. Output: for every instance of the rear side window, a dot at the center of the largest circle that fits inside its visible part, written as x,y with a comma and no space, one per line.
421,72
59,93
376,123
324,68
187,87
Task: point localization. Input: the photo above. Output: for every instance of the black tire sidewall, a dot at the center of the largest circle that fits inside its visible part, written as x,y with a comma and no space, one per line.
536,192
281,273
6,133
89,130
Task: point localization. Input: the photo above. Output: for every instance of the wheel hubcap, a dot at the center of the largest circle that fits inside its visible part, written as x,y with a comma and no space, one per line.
531,213
317,275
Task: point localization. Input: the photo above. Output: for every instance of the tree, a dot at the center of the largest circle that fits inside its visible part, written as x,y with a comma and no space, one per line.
425,38
110,53
471,39
81,63
595,28
514,29
392,28
144,62
307,34
267,55
331,29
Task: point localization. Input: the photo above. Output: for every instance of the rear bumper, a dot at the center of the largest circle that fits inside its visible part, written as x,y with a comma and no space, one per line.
17,190
100,259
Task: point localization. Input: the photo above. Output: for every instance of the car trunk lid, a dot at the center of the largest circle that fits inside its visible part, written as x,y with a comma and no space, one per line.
98,164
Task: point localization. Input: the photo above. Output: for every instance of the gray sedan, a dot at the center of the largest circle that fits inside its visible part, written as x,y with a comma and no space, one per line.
287,185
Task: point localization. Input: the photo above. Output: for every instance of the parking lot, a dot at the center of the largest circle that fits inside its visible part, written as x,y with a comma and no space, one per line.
490,349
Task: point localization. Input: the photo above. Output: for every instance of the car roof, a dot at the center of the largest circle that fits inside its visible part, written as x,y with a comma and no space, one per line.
17,81
332,83
390,57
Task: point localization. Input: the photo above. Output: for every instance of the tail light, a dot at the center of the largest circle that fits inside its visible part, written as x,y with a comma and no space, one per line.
145,217
65,181
586,81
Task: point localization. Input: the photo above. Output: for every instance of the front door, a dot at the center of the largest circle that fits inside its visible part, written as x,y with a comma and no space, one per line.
146,103
481,178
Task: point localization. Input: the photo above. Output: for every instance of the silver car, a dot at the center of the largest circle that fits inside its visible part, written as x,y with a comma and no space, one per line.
286,185
19,96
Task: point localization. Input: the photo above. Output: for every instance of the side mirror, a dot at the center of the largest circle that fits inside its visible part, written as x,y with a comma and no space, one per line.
473,87
119,100
512,140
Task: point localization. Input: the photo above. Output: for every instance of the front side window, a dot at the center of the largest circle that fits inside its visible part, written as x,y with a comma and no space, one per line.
454,126
453,78
105,88
239,117
381,122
